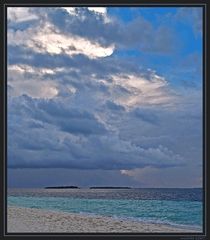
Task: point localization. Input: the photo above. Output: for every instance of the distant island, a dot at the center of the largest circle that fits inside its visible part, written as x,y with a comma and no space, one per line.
110,187
61,187
76,187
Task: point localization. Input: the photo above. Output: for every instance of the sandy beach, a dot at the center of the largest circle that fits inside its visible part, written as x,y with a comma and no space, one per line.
36,220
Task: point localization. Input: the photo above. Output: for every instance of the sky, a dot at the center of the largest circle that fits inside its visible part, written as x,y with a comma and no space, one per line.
104,96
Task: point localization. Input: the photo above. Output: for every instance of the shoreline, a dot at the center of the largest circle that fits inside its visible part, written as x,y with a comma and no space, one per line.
20,220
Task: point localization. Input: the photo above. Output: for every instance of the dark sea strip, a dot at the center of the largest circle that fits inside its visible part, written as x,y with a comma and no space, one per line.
134,194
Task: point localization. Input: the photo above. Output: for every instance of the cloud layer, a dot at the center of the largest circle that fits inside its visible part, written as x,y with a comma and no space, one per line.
75,102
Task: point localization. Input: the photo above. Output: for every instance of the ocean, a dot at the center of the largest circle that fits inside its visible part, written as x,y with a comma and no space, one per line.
177,207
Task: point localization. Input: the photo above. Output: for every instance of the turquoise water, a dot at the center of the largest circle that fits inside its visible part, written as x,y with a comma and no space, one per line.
180,213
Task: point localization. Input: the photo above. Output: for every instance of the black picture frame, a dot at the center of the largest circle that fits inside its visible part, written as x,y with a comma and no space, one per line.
3,119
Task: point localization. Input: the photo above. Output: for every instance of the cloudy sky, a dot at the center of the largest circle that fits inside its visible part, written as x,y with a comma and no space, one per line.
104,96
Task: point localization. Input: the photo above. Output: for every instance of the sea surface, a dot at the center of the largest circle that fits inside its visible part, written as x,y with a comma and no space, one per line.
177,207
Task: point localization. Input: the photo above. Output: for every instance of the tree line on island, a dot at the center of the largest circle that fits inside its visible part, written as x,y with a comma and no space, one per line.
76,187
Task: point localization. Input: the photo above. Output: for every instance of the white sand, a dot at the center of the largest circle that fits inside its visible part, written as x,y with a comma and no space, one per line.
36,220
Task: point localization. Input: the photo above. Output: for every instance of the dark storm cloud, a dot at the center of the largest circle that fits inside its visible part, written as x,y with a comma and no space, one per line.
93,148
68,119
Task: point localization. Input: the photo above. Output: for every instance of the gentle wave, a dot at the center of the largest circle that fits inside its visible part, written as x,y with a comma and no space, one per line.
180,213
152,221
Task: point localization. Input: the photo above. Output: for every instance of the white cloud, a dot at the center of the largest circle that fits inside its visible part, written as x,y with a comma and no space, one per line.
24,79
24,68
20,14
70,10
36,89
100,10
144,91
48,39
